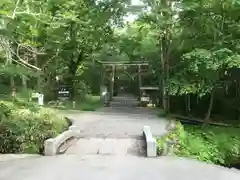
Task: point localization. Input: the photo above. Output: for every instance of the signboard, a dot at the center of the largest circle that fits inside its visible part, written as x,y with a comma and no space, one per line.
35,95
63,92
145,99
40,98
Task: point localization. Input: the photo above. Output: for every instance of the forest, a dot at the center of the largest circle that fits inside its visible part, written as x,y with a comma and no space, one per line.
192,46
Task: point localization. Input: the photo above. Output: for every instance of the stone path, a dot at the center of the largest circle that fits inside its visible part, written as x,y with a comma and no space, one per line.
118,122
95,167
109,140
108,146
115,130
10,157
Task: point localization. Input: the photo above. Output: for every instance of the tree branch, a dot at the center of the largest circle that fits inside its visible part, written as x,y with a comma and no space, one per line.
15,9
79,59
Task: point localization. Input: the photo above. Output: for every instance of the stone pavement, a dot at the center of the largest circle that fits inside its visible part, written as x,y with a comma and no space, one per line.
109,140
100,167
108,146
9,157
118,122
123,119
115,130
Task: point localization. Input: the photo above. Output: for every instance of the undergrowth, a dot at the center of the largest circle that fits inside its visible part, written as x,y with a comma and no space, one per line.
212,144
90,103
24,126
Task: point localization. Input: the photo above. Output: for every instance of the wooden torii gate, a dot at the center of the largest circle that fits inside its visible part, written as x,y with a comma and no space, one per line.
111,65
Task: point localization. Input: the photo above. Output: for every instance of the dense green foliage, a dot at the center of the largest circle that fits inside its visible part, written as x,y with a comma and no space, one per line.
218,145
23,130
44,44
192,47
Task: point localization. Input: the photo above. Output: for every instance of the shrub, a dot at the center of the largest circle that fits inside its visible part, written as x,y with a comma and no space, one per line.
22,103
24,131
177,135
218,145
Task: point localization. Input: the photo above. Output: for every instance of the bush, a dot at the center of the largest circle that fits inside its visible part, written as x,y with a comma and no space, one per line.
24,104
177,135
24,131
218,145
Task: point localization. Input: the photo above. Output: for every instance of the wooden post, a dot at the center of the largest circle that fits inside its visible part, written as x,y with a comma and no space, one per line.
112,82
103,75
102,84
74,104
139,80
13,93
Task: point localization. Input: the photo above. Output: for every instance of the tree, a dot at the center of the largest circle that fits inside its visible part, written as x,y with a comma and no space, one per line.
56,37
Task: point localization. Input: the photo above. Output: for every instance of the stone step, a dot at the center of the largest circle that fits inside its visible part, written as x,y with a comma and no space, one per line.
109,146
123,105
124,102
125,99
127,104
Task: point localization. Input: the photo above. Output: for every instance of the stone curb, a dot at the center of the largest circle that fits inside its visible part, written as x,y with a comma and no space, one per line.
52,145
10,157
150,142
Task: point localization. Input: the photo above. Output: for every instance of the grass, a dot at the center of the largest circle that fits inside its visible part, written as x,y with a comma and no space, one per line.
91,103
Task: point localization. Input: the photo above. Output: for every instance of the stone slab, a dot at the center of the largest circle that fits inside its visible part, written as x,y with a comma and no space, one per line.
10,157
86,146
95,167
108,147
51,146
150,142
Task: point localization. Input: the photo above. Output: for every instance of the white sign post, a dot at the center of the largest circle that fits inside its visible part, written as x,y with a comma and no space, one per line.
40,99
74,104
35,95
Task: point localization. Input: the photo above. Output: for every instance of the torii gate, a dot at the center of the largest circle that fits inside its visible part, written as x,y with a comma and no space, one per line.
112,67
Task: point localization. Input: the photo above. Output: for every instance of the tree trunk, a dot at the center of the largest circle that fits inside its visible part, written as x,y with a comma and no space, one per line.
165,56
24,82
38,75
139,82
71,78
112,83
163,76
72,87
188,104
165,72
160,89
73,66
207,117
167,98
